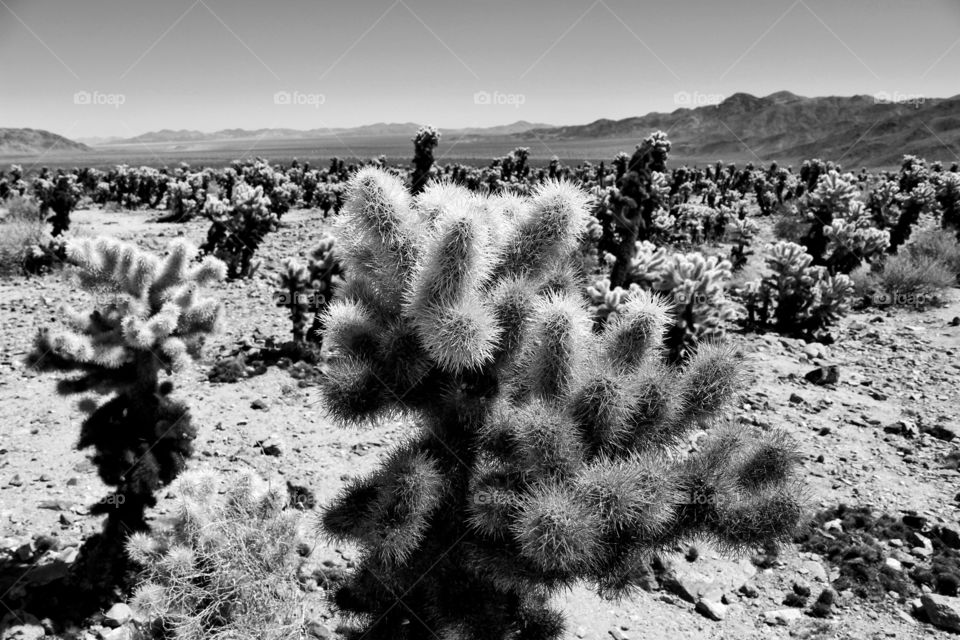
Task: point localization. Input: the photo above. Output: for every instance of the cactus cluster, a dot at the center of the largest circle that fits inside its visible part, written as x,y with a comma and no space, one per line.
148,318
238,226
542,452
795,297
306,290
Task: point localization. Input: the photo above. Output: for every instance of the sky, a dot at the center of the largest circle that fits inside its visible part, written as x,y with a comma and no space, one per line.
88,68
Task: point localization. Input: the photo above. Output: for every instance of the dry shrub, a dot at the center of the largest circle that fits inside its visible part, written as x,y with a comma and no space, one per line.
22,230
226,568
914,280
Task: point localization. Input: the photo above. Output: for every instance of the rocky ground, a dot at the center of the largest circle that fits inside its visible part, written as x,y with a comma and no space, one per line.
885,434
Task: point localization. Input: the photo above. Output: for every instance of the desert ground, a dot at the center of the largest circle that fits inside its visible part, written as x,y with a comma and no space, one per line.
884,435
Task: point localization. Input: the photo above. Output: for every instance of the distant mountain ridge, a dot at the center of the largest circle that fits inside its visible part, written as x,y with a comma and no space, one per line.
369,130
856,130
34,141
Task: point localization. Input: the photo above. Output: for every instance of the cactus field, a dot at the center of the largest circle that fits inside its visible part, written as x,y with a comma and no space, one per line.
518,399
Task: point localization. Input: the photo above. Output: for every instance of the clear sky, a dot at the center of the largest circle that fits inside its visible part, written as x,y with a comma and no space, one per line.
214,64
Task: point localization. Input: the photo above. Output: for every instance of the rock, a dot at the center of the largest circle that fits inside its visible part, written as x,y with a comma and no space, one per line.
117,615
782,617
120,633
795,398
258,404
25,551
749,591
945,432
320,631
950,535
943,611
915,521
815,350
815,570
712,610
617,634
21,627
272,446
706,578
828,374
904,428
833,525
894,564
65,520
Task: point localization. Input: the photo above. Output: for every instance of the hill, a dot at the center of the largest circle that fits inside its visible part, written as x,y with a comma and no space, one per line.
35,141
857,130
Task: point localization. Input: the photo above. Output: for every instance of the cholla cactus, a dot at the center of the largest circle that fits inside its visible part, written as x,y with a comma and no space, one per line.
226,567
238,227
948,196
148,318
186,196
742,232
424,143
306,290
796,297
542,454
643,190
853,240
916,203
696,285
605,302
60,195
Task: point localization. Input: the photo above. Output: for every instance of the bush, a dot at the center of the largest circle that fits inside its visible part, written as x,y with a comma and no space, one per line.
22,234
225,567
913,280
936,245
542,453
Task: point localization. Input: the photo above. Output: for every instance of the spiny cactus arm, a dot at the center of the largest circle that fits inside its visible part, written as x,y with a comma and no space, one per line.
711,380
548,230
557,342
557,532
455,262
633,496
636,332
379,226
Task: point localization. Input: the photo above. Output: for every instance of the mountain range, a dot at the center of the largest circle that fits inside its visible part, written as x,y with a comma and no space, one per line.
379,129
15,142
858,130
854,131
